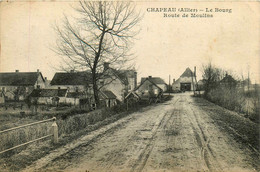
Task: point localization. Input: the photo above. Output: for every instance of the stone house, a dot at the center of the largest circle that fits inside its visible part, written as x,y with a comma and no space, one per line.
16,86
158,81
148,90
48,96
73,81
119,82
78,85
186,82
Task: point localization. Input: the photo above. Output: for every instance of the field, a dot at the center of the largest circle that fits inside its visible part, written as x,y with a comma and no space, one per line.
72,123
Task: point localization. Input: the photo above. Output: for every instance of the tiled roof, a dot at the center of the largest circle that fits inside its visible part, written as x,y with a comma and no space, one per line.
155,80
48,93
19,78
149,80
73,78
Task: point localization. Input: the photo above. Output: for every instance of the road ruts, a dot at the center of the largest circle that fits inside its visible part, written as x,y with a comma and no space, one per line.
173,136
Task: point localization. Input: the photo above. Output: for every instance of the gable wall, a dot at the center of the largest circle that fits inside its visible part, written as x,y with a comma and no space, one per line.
177,84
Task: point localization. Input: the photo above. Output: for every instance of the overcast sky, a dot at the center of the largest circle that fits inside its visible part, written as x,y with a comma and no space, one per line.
165,46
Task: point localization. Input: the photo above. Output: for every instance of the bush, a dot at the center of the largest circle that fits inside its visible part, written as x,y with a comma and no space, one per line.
237,100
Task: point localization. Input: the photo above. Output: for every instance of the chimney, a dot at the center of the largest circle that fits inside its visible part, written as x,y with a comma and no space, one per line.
45,78
106,65
173,80
150,77
72,71
16,71
38,70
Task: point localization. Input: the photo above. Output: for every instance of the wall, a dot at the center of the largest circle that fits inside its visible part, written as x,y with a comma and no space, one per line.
145,90
116,86
39,82
177,84
71,88
163,87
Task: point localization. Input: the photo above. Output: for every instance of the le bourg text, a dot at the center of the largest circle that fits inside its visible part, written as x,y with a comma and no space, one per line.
188,12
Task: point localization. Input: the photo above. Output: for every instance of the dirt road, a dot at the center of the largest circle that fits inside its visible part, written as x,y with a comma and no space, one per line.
179,135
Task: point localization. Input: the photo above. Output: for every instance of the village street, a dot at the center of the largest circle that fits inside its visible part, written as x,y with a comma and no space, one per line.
178,135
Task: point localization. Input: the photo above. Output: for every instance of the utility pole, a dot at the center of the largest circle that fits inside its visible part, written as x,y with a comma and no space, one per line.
248,80
169,88
192,73
196,83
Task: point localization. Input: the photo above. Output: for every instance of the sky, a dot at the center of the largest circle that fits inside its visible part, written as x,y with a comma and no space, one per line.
165,45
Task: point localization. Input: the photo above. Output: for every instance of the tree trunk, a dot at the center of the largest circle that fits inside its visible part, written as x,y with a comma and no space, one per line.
95,87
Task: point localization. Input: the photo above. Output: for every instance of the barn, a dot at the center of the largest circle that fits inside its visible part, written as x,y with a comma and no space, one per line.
186,82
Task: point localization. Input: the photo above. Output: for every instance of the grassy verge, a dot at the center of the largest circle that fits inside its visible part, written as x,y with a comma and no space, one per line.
242,129
71,127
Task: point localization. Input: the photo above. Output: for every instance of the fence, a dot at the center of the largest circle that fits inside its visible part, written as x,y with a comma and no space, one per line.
54,133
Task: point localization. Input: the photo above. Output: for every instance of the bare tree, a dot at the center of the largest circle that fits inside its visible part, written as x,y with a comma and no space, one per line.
211,75
102,32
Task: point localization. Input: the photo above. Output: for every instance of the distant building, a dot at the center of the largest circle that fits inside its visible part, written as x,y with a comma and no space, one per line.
120,82
229,81
186,82
158,81
18,85
147,90
73,81
78,85
107,98
48,96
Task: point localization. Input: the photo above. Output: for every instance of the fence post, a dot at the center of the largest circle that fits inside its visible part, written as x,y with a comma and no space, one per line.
55,131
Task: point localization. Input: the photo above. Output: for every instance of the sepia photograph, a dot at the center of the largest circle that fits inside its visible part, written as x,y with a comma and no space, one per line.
129,86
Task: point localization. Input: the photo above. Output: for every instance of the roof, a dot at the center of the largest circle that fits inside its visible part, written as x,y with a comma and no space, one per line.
155,80
48,93
187,73
132,93
19,78
107,95
74,94
147,79
123,75
72,78
228,79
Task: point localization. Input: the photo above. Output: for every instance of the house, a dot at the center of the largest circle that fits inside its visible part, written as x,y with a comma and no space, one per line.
158,81
147,90
73,98
186,82
73,81
18,85
228,81
48,96
78,84
120,82
107,98
133,96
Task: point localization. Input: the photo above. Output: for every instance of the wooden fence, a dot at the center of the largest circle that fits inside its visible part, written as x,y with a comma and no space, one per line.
54,133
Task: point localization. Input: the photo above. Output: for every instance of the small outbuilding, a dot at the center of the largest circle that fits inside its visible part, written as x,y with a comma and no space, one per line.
107,98
48,96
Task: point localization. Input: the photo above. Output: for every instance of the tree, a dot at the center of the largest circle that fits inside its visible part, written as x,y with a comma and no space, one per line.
101,32
211,75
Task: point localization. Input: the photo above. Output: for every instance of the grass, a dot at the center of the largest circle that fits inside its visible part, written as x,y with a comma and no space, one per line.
70,125
238,100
